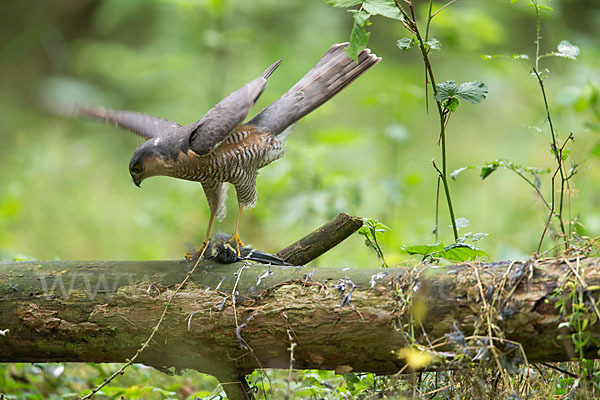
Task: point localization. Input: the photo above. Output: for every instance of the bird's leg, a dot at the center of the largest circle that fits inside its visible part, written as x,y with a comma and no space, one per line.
236,235
204,244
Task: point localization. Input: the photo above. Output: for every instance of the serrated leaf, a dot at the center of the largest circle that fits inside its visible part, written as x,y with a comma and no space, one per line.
358,37
405,43
343,3
387,8
461,252
424,249
445,90
473,92
567,50
361,17
434,44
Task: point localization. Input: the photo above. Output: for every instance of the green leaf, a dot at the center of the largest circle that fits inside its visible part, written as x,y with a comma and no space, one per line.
359,37
473,92
461,252
567,50
387,8
451,104
445,90
488,169
405,43
372,227
343,3
360,17
545,8
434,44
424,249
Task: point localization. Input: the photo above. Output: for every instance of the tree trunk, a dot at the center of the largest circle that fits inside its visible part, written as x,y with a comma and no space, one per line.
231,319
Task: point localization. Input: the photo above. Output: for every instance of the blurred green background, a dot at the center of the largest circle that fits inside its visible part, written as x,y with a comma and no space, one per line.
65,191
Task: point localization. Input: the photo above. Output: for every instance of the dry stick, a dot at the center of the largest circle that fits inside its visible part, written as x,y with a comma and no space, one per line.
488,311
291,349
321,240
562,371
154,330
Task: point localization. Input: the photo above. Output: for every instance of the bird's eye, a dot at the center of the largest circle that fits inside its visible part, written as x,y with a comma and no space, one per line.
136,169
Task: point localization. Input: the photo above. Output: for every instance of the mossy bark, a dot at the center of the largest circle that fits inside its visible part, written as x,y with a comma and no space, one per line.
339,318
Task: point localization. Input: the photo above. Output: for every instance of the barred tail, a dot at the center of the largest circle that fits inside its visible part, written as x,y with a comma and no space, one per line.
334,71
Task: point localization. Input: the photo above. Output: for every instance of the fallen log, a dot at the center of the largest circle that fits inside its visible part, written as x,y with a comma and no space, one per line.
231,319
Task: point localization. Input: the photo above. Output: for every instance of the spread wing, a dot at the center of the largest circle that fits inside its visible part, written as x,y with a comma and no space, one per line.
144,125
220,120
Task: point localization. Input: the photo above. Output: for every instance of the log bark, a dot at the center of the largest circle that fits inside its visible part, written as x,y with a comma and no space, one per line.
339,318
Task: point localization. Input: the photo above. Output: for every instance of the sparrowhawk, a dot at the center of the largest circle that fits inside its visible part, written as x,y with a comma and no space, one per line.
220,148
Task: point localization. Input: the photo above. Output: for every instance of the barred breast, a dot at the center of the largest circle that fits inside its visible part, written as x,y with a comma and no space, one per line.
236,160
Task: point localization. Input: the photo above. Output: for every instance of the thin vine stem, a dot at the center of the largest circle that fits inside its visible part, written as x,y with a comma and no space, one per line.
443,116
558,152
559,170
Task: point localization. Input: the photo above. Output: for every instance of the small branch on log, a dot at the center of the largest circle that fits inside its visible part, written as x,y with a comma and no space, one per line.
321,240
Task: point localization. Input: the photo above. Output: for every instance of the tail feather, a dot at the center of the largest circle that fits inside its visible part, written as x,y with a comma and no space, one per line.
334,71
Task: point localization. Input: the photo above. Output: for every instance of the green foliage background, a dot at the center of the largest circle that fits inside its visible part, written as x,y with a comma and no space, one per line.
65,192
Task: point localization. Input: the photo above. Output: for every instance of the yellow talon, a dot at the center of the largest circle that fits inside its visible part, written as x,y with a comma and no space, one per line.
236,242
237,238
198,254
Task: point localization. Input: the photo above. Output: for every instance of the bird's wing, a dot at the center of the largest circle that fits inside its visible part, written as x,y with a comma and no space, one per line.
220,120
144,125
334,71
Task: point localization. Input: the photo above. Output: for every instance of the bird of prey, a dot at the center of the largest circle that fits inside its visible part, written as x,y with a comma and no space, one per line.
220,148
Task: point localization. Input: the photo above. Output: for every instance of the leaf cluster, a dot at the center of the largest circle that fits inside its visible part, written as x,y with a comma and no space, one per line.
359,37
456,252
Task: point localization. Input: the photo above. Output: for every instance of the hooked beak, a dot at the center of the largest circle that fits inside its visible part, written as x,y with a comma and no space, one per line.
137,182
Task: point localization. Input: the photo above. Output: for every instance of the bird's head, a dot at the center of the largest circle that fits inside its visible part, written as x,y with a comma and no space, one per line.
147,160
